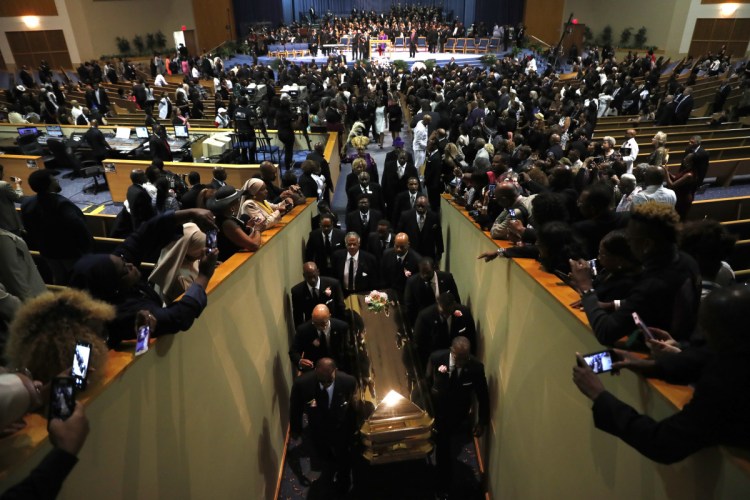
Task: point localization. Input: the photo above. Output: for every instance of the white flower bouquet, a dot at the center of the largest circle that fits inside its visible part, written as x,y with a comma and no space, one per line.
377,302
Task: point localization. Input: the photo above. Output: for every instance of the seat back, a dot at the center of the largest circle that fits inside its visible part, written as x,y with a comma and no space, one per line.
460,43
450,43
64,157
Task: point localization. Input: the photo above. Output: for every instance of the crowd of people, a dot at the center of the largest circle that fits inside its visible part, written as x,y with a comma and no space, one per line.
514,147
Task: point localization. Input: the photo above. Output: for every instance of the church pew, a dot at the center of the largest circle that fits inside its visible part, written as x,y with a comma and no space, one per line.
739,259
721,209
739,228
649,128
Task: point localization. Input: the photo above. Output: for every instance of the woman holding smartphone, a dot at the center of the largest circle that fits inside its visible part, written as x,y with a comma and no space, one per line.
255,206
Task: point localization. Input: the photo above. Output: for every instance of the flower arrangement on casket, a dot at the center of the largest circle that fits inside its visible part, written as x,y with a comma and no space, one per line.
377,302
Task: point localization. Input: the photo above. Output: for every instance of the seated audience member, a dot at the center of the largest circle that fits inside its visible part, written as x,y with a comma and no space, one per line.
55,226
219,178
617,269
508,196
720,375
599,217
557,244
178,263
254,205
45,480
709,243
398,264
423,289
422,225
364,186
437,325
234,235
405,200
311,182
627,188
40,341
10,194
667,293
654,189
380,240
315,290
116,279
322,243
190,198
364,219
320,337
355,269
18,272
268,173
139,202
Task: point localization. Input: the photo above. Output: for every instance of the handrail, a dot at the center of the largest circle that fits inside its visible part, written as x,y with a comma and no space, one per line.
540,41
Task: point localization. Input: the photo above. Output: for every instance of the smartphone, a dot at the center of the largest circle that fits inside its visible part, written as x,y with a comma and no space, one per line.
62,398
594,268
141,342
211,236
15,179
599,362
80,370
564,278
642,326
512,214
491,189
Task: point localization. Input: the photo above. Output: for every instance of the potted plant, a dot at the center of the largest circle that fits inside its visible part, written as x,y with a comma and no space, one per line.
400,65
625,36
430,64
123,45
606,36
138,44
160,41
640,38
488,60
150,42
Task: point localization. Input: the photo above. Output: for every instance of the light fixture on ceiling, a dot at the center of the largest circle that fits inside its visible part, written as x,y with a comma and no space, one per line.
728,9
30,21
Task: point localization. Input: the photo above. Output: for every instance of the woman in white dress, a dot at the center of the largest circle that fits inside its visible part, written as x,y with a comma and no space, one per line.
380,122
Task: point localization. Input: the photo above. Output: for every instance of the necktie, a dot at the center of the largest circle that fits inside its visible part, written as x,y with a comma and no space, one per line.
383,244
350,285
364,221
413,199
400,261
322,338
328,244
315,293
421,222
323,399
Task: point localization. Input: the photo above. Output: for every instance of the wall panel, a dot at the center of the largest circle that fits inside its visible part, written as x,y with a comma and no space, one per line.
544,19
14,8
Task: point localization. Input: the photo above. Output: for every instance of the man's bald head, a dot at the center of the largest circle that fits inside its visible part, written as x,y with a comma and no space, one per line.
506,193
321,316
461,349
325,371
401,244
310,272
654,176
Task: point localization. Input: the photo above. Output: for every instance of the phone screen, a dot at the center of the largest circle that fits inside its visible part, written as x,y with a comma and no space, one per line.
642,326
81,364
600,362
211,239
141,344
512,214
62,398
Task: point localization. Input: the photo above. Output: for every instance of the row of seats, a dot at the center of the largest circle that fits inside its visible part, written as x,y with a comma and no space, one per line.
288,50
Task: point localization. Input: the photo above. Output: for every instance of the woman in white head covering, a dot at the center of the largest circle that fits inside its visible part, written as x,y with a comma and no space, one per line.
253,204
177,266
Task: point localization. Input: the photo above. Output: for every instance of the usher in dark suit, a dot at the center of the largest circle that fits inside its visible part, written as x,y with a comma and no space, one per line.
366,276
420,295
431,331
354,222
303,302
393,274
315,249
393,185
402,203
306,338
376,246
428,241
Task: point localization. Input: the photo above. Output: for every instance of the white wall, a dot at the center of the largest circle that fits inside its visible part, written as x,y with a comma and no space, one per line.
59,22
706,11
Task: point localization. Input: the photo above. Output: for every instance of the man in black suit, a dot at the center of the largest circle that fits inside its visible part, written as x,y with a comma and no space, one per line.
321,337
398,264
94,137
684,107
380,240
437,325
356,269
190,198
405,200
329,398
158,144
364,220
424,230
139,201
322,243
219,179
317,155
395,179
315,290
455,378
433,173
97,99
700,157
392,156
423,288
372,189
413,44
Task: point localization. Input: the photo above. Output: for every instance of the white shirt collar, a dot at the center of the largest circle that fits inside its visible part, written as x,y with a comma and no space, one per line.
316,287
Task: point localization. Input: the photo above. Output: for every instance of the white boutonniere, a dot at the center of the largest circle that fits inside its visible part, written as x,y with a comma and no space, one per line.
316,343
443,369
407,273
328,291
457,313
312,403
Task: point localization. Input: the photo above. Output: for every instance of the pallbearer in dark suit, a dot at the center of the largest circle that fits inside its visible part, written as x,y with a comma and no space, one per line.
397,265
329,398
405,200
438,325
380,240
322,243
422,289
424,230
321,337
364,219
455,378
313,291
356,269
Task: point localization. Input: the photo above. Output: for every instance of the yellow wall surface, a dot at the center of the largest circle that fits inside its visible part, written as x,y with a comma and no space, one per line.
203,414
542,442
